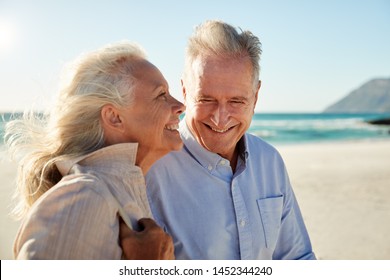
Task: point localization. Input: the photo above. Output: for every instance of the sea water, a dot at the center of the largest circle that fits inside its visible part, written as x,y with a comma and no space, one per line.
317,127
291,128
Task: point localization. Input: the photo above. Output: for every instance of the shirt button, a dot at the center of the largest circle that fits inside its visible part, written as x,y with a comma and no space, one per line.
210,167
223,162
242,223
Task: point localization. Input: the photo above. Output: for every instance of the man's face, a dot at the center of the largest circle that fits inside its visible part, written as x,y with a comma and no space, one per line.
220,101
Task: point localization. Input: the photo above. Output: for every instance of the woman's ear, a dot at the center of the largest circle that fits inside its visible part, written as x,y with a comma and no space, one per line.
111,118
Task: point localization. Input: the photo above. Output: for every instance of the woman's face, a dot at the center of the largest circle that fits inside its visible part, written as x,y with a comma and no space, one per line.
152,119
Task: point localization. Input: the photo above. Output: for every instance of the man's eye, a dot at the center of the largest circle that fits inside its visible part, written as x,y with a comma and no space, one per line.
238,103
205,100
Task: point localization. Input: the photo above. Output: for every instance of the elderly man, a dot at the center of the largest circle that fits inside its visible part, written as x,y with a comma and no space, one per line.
226,194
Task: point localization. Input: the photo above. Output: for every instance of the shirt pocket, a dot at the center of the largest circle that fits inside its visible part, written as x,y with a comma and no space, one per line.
271,216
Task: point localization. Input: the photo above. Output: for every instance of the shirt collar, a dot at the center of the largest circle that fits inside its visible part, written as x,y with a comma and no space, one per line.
207,159
118,156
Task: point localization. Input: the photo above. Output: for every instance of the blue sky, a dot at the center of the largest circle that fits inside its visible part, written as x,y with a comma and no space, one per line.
314,52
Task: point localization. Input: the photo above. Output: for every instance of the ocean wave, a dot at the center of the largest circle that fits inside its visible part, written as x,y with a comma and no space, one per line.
300,127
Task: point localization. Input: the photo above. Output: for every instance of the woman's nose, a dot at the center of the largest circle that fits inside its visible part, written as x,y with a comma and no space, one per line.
177,106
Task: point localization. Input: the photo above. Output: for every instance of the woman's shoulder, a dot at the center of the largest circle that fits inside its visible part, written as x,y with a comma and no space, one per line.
74,190
61,220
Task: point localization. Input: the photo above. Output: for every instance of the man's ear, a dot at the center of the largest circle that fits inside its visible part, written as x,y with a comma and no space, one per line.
183,90
257,93
111,117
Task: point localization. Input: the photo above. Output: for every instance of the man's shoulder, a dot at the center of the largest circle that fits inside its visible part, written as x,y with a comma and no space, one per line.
260,150
255,143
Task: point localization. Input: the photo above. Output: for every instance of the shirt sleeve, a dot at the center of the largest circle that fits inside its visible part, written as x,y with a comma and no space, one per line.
293,241
73,220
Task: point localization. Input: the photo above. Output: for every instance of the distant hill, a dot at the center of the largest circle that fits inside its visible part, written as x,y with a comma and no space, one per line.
371,97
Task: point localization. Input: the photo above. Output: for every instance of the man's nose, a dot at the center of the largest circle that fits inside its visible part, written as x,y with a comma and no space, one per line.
220,116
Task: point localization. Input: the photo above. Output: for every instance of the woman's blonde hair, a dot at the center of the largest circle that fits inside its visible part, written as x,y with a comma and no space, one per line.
73,127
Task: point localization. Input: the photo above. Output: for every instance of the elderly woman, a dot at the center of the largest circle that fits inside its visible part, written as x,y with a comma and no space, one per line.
83,165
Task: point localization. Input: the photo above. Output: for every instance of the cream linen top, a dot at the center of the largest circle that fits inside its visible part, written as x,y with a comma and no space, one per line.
78,217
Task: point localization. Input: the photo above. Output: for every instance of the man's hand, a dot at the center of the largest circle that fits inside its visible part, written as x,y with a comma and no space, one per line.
151,243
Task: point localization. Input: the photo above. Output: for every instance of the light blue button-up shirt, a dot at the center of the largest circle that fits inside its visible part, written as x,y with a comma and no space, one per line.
213,213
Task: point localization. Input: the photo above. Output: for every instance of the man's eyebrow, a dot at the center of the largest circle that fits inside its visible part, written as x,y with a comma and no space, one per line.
205,96
200,96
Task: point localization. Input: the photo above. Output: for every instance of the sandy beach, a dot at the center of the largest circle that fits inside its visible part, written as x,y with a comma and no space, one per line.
8,226
343,189
344,194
